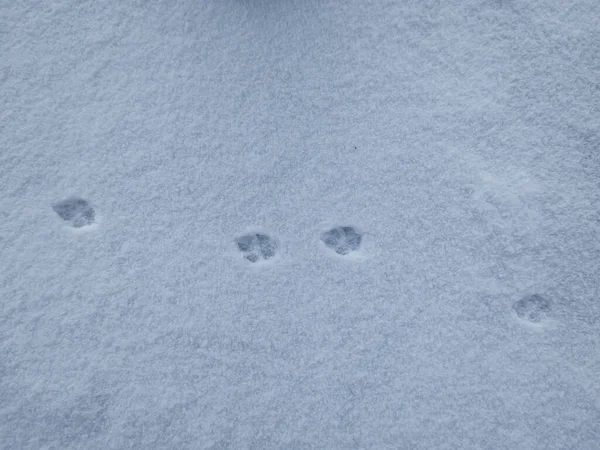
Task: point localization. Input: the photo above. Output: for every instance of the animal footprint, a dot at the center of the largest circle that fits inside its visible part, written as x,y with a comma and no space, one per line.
257,247
78,212
532,308
342,240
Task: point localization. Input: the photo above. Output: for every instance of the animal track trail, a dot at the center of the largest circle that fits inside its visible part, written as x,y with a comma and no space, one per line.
533,308
342,240
76,211
257,247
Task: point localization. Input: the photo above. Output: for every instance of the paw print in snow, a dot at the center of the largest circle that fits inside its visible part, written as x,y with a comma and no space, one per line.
257,247
342,240
78,212
532,308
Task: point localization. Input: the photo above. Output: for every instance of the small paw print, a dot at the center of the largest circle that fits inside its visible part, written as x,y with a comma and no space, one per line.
257,247
532,308
76,211
342,240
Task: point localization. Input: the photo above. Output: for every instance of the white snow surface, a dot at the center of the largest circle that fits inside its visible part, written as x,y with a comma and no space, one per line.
460,139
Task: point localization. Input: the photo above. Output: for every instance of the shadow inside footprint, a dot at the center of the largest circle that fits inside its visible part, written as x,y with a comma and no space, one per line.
78,212
342,240
532,308
256,247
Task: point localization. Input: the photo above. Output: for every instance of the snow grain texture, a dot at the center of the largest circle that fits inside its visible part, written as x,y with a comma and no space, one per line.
460,138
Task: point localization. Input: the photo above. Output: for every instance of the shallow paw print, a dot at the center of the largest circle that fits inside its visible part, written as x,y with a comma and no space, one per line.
532,308
257,247
77,211
342,240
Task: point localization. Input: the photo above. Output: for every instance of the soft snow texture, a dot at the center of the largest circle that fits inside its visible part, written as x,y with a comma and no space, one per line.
458,139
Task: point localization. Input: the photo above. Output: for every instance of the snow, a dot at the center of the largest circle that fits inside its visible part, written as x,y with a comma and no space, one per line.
460,140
